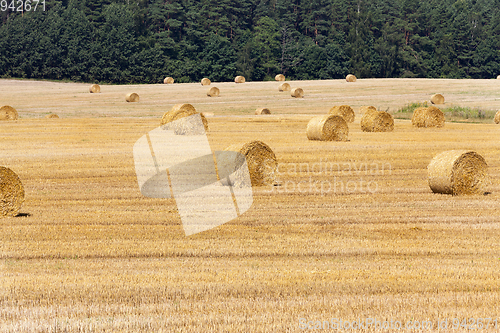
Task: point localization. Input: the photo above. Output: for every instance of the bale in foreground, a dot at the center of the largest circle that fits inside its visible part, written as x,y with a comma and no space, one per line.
457,172
11,192
205,81
497,117
279,77
297,92
327,128
284,87
437,99
260,159
168,80
428,117
132,97
213,92
262,111
239,79
95,89
344,111
350,78
179,111
8,113
377,121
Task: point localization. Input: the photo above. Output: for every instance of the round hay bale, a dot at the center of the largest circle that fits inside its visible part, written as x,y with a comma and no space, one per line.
377,121
437,99
262,111
365,109
498,77
261,161
284,87
8,113
297,92
350,78
52,116
132,97
279,77
95,89
457,172
168,80
239,79
344,111
11,192
179,111
327,128
497,117
428,117
213,92
205,82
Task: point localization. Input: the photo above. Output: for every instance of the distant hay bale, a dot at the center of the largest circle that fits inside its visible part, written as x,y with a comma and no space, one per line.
95,89
284,87
428,117
213,92
279,77
437,99
344,111
497,117
8,113
239,79
132,97
52,116
457,172
377,121
498,77
297,92
350,78
179,111
262,111
205,82
168,80
327,128
11,192
365,109
261,161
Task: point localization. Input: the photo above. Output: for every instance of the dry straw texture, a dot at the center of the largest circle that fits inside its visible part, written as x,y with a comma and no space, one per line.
344,111
205,81
52,115
497,117
132,97
364,109
179,111
457,172
8,113
327,128
297,92
239,79
428,117
350,78
437,99
213,92
168,80
95,89
377,121
279,77
11,192
260,159
262,111
284,87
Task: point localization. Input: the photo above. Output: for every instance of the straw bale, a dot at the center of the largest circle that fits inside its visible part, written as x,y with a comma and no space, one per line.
11,192
428,117
297,92
350,78
168,80
328,128
284,87
213,92
205,82
437,99
262,111
8,113
377,121
279,77
95,89
132,97
239,79
179,111
344,111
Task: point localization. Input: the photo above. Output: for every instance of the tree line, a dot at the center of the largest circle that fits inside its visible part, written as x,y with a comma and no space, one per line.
142,41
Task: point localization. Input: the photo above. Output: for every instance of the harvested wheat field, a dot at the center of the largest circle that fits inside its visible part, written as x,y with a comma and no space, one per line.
348,230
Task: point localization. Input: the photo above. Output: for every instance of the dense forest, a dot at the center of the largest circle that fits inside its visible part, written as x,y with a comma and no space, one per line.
142,41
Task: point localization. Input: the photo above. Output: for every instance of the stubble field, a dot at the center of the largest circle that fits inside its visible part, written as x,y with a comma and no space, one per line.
353,232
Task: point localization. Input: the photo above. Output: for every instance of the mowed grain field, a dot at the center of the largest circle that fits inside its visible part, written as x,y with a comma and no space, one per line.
353,232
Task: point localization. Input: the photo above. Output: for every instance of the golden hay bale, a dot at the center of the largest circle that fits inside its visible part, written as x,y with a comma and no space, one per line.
239,79
179,111
261,161
284,87
262,111
497,117
168,80
365,109
377,121
213,92
11,192
279,77
498,77
205,82
52,115
132,97
428,117
8,113
297,92
437,99
457,172
327,128
95,89
344,111
350,78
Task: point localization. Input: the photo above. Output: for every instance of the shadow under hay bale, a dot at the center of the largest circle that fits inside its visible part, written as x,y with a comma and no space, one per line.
437,99
52,116
457,172
8,113
239,79
168,80
344,111
94,89
297,92
377,121
284,87
179,111
11,192
262,111
428,117
327,128
279,77
213,92
205,82
350,78
497,117
132,97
